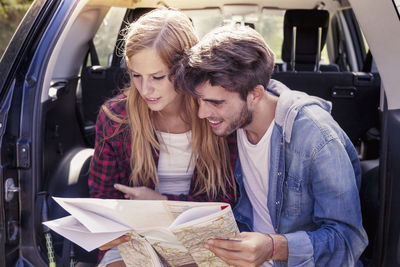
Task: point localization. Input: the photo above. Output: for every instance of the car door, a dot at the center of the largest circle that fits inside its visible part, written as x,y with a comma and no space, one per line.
380,22
20,74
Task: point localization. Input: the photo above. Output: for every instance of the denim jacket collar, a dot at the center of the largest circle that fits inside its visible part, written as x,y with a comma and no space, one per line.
289,104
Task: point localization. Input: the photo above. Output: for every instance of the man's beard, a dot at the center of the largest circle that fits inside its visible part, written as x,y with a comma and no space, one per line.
244,119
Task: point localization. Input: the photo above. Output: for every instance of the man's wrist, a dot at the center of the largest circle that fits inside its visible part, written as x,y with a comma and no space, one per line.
271,255
280,245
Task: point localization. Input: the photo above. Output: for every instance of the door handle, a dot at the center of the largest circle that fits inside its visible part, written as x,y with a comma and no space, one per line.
10,189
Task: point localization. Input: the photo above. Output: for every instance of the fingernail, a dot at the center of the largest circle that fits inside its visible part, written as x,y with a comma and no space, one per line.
210,242
116,186
206,246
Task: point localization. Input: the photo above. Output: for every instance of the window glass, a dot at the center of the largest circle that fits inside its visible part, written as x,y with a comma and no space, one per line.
364,41
11,14
107,34
204,20
397,6
269,23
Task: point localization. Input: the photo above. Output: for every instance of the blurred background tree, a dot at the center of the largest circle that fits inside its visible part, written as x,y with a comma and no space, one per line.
11,14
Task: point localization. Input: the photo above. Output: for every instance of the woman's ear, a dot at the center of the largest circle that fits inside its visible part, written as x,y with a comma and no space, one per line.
255,95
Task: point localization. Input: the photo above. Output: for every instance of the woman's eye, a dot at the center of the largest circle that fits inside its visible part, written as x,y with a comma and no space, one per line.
135,75
158,77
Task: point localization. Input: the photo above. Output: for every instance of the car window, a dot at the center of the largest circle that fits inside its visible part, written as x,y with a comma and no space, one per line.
270,26
204,20
397,6
107,34
11,14
268,22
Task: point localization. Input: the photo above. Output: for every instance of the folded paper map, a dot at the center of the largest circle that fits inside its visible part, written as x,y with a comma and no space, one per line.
163,233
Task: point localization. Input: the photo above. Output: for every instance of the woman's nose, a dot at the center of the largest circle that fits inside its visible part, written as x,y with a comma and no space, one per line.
147,87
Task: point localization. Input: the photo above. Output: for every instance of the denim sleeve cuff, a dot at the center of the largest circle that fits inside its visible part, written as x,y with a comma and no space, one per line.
300,249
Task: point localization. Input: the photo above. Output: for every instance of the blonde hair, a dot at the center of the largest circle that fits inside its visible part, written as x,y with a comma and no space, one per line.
170,32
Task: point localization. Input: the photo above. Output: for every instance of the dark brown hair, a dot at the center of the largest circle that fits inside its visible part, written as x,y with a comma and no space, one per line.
236,58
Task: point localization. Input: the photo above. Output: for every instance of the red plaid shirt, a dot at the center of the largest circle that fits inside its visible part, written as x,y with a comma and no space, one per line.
111,165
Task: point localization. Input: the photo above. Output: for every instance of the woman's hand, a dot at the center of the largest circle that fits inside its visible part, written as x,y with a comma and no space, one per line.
139,192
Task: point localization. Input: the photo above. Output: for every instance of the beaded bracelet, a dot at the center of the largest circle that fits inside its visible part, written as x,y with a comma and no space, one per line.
273,247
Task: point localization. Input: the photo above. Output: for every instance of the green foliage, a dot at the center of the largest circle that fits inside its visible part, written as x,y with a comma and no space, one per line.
11,14
106,36
271,28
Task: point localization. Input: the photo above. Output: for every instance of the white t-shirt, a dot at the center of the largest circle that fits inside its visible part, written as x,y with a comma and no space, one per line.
254,160
174,167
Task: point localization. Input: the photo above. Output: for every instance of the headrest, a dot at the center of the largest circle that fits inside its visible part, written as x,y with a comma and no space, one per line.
307,22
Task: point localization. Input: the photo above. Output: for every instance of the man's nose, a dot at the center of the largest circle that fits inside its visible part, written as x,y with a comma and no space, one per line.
203,110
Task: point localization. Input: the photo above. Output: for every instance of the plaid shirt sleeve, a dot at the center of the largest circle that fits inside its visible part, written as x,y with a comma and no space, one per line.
106,169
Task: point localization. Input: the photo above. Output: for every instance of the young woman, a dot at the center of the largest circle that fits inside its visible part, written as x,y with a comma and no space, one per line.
150,143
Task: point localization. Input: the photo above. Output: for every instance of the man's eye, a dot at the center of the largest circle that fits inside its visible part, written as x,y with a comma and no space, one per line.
158,77
216,103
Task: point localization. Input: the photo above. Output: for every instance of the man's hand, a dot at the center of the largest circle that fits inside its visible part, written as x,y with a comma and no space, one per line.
140,192
115,242
253,249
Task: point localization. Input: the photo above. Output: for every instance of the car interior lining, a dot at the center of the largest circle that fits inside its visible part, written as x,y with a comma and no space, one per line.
72,46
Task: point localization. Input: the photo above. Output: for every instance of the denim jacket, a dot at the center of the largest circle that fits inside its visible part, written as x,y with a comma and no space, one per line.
314,182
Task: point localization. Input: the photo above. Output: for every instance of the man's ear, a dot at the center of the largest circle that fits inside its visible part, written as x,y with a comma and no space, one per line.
255,95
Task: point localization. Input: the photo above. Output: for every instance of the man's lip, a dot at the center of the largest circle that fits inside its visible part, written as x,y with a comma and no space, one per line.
214,123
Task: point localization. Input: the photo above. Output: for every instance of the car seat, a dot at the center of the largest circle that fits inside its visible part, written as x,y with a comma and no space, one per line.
70,179
305,32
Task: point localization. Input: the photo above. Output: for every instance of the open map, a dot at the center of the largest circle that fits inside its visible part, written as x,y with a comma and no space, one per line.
163,233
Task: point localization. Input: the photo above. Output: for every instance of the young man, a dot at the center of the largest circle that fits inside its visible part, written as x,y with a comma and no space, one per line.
298,172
